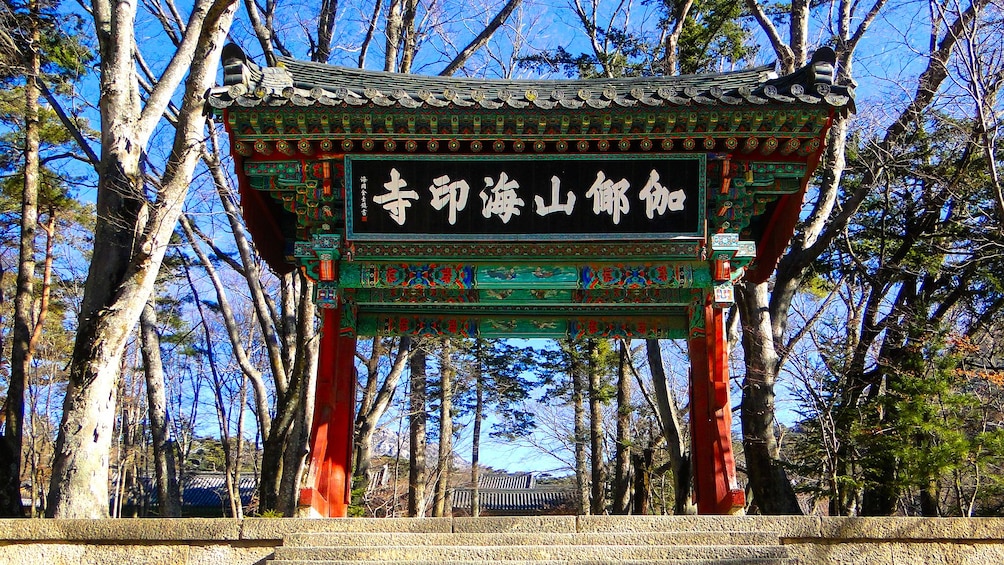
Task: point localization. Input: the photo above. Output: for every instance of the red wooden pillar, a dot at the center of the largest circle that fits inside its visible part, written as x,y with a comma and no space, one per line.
715,485
329,475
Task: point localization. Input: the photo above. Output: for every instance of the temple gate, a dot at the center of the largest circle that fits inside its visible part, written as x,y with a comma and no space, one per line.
501,208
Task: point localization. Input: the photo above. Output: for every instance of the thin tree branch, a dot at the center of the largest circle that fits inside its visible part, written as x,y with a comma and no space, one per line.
482,39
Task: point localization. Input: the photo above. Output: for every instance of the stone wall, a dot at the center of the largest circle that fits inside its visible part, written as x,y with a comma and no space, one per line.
851,541
857,541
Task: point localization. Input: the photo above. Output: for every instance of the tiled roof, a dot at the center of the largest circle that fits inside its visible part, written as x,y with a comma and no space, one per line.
300,83
505,480
512,492
203,490
210,490
515,500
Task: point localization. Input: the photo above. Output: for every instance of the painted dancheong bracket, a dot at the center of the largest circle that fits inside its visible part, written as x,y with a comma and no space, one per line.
729,259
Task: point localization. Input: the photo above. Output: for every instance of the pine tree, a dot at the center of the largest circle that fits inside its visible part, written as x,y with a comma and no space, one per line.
37,45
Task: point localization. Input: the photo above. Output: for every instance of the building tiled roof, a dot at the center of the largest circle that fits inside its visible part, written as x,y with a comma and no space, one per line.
301,83
516,493
202,490
210,490
505,480
515,500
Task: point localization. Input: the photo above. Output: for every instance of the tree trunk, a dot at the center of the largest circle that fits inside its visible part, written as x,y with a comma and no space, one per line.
671,58
392,35
295,455
622,467
368,397
798,32
479,409
672,430
294,458
642,481
409,35
6,449
416,431
131,234
598,492
165,466
234,467
577,372
772,491
929,496
441,501
880,492
287,403
370,32
12,441
326,19
127,458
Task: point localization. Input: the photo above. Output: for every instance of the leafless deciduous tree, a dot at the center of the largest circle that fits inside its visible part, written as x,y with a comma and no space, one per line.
164,452
416,433
765,312
133,228
482,38
671,422
979,71
376,398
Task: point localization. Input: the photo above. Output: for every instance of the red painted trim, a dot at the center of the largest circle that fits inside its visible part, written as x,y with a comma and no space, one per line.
261,223
268,237
781,226
777,235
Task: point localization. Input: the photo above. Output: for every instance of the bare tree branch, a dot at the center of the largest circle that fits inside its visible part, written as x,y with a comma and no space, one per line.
230,323
370,31
482,38
780,47
262,31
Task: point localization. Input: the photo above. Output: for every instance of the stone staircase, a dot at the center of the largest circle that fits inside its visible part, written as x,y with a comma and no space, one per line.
536,541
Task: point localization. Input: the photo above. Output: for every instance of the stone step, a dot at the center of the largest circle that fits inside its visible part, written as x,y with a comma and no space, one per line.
698,561
508,554
390,539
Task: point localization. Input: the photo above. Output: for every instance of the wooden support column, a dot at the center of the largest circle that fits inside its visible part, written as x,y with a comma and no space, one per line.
715,486
329,476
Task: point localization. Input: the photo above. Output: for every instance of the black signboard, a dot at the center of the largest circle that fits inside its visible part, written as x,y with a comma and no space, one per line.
524,197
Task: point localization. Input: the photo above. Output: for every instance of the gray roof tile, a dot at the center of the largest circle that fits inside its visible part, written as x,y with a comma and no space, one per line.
512,492
199,490
515,500
301,83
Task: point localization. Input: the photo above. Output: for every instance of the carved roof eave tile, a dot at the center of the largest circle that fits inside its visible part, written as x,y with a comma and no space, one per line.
301,84
544,104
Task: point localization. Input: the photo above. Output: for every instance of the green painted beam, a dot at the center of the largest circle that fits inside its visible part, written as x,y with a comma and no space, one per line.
508,276
500,325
